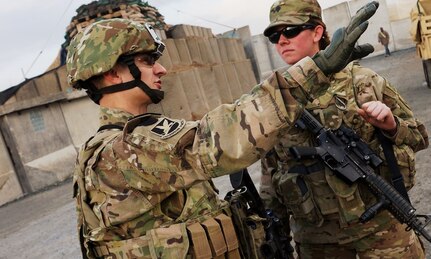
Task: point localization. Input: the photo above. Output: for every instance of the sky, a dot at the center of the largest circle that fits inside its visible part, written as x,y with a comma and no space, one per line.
32,31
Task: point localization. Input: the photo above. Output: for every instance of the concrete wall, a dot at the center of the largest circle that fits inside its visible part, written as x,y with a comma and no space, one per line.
262,54
244,34
40,144
10,189
259,50
82,118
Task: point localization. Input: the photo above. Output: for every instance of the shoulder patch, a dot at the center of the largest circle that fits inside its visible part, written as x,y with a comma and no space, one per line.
166,128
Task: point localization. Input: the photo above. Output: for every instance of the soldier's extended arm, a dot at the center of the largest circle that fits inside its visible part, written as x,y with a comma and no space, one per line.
234,136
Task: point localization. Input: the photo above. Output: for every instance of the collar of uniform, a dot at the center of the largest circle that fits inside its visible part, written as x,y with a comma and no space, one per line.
145,119
112,116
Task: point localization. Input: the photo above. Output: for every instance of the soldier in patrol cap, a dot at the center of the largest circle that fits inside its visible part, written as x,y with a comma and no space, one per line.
325,210
142,183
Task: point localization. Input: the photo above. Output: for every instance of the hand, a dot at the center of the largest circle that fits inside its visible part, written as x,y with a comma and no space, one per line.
361,51
342,49
379,115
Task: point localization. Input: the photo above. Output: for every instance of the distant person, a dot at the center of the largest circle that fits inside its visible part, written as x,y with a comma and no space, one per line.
325,210
142,183
384,40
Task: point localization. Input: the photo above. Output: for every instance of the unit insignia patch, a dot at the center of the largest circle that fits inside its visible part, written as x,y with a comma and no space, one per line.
166,128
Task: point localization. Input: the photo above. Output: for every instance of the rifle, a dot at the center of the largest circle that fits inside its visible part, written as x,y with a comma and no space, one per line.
277,243
346,154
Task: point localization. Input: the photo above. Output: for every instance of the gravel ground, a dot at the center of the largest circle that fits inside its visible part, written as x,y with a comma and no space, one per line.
43,225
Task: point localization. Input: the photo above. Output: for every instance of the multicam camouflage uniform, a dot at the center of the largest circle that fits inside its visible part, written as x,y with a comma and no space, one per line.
325,210
142,184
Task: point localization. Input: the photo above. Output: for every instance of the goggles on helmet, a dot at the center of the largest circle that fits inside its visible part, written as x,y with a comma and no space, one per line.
160,45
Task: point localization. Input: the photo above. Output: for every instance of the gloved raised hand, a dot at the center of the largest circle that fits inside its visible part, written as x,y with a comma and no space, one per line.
342,49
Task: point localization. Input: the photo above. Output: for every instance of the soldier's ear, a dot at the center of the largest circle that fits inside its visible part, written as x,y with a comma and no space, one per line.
112,77
318,33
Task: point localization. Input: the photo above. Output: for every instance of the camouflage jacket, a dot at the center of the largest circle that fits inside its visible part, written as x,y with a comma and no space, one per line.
140,182
324,208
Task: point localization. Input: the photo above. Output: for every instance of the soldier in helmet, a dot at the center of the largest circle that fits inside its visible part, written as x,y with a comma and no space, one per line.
142,182
325,210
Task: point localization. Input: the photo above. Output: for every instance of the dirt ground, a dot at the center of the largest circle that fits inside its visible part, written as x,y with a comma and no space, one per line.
43,225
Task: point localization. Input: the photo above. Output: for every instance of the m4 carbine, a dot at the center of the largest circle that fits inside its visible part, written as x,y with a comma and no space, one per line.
346,154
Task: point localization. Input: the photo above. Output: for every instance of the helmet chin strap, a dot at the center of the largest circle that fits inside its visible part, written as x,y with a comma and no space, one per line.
155,95
96,94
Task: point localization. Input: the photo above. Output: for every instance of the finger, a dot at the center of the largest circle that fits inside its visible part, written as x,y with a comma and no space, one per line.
362,15
365,105
382,116
354,35
384,113
378,109
362,51
337,38
363,114
371,108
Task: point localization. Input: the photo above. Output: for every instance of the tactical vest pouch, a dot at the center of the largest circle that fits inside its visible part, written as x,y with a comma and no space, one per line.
169,242
199,246
323,195
213,238
216,238
229,236
135,247
349,199
166,243
298,197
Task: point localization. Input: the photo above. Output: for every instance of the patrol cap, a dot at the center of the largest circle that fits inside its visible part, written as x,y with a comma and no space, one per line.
292,12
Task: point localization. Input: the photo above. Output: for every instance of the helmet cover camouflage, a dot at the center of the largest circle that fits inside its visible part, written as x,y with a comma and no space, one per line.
96,49
292,12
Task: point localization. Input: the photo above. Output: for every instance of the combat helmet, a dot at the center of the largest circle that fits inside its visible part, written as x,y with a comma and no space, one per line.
97,49
293,12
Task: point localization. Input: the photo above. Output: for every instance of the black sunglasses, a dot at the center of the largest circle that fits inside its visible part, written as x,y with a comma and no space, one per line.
289,32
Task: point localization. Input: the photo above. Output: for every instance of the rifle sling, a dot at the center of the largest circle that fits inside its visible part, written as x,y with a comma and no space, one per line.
236,179
397,177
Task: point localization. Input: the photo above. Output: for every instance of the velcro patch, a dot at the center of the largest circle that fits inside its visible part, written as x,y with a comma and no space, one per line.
166,128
